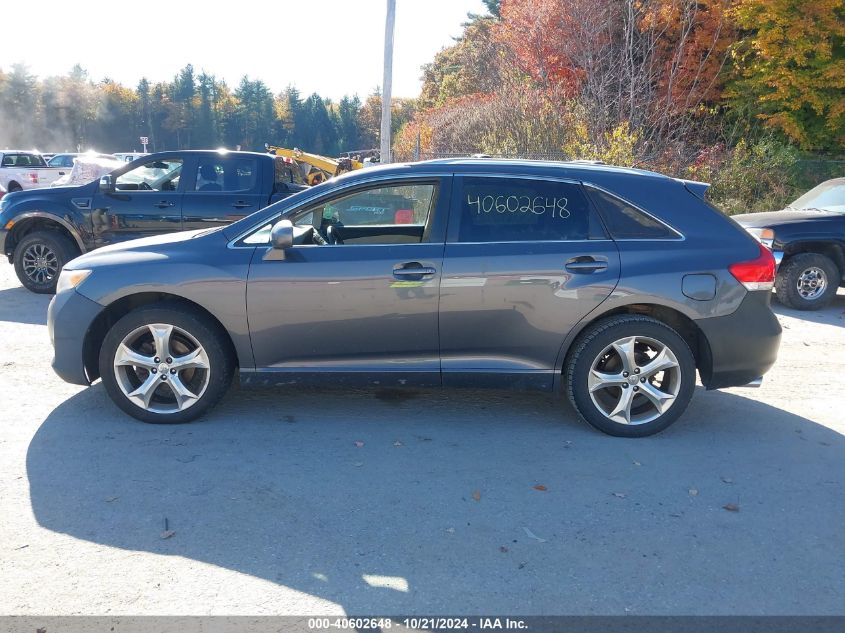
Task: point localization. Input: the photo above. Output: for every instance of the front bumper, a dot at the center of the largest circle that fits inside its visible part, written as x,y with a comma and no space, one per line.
69,319
742,345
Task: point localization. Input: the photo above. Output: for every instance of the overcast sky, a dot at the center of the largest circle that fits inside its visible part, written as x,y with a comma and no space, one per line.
332,47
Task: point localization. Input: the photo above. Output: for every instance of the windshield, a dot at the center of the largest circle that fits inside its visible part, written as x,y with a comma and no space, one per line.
828,196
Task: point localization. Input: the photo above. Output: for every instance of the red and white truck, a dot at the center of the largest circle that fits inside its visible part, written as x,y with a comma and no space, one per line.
26,170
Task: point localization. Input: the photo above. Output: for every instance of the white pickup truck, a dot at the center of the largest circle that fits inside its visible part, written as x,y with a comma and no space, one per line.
26,170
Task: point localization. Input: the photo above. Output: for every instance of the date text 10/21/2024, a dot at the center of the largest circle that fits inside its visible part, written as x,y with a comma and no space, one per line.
538,205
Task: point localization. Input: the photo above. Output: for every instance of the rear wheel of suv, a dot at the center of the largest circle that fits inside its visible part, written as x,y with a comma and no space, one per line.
630,375
165,364
39,258
807,282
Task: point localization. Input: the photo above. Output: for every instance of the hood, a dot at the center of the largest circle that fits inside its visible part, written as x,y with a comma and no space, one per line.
787,216
145,249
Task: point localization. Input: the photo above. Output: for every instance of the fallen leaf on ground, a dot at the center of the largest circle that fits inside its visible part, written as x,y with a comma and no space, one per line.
540,487
450,530
727,480
398,443
167,534
693,492
358,443
621,495
503,549
636,463
110,499
731,507
476,495
531,534
358,464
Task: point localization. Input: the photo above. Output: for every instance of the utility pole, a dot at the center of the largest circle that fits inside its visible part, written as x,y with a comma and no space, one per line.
386,88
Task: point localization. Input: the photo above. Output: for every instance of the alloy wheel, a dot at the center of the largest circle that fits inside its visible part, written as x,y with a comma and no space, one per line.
40,263
161,368
634,380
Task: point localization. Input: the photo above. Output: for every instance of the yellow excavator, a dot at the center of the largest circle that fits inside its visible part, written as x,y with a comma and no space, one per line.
315,168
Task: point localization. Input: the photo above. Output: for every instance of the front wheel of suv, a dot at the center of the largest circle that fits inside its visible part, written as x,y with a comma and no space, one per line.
165,364
807,282
630,375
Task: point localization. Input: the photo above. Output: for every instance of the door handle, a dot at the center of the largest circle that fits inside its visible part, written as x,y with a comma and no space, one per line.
585,264
163,204
240,204
413,269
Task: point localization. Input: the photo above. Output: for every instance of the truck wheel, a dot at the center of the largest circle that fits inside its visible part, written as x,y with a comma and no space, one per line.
807,282
13,186
630,376
39,258
165,364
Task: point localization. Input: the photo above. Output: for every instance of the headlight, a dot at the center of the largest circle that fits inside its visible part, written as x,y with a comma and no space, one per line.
764,236
69,279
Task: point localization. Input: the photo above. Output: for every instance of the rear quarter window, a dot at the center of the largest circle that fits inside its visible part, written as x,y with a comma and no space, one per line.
626,222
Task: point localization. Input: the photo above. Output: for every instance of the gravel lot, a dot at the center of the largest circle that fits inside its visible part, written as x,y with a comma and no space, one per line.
275,509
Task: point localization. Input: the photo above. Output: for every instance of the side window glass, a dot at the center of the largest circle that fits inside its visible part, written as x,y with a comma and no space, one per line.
387,206
625,222
521,209
36,160
393,214
226,174
158,175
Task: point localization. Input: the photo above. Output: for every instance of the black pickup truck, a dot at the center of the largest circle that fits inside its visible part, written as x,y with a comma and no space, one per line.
808,242
42,229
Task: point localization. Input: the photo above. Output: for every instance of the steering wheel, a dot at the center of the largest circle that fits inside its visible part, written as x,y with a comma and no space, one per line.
332,234
317,238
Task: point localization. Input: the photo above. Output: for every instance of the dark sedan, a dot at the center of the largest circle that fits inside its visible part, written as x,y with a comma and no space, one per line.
613,285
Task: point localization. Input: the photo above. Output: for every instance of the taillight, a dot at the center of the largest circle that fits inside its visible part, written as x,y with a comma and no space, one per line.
757,274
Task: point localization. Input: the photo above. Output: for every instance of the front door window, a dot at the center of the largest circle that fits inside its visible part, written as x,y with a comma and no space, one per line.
157,175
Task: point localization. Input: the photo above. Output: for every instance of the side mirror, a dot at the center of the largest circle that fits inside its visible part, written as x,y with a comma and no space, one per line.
107,183
281,235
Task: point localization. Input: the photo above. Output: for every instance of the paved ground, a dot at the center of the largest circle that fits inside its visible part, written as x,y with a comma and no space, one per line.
276,510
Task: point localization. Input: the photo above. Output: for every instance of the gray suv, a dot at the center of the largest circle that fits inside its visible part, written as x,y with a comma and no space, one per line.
613,285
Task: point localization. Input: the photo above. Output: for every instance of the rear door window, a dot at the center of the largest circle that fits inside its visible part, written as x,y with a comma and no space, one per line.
226,174
524,210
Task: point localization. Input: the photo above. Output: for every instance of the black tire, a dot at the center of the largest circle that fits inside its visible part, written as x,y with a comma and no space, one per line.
13,186
57,250
790,275
591,346
221,362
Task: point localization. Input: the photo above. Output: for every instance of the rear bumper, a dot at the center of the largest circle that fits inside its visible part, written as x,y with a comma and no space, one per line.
743,345
69,319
